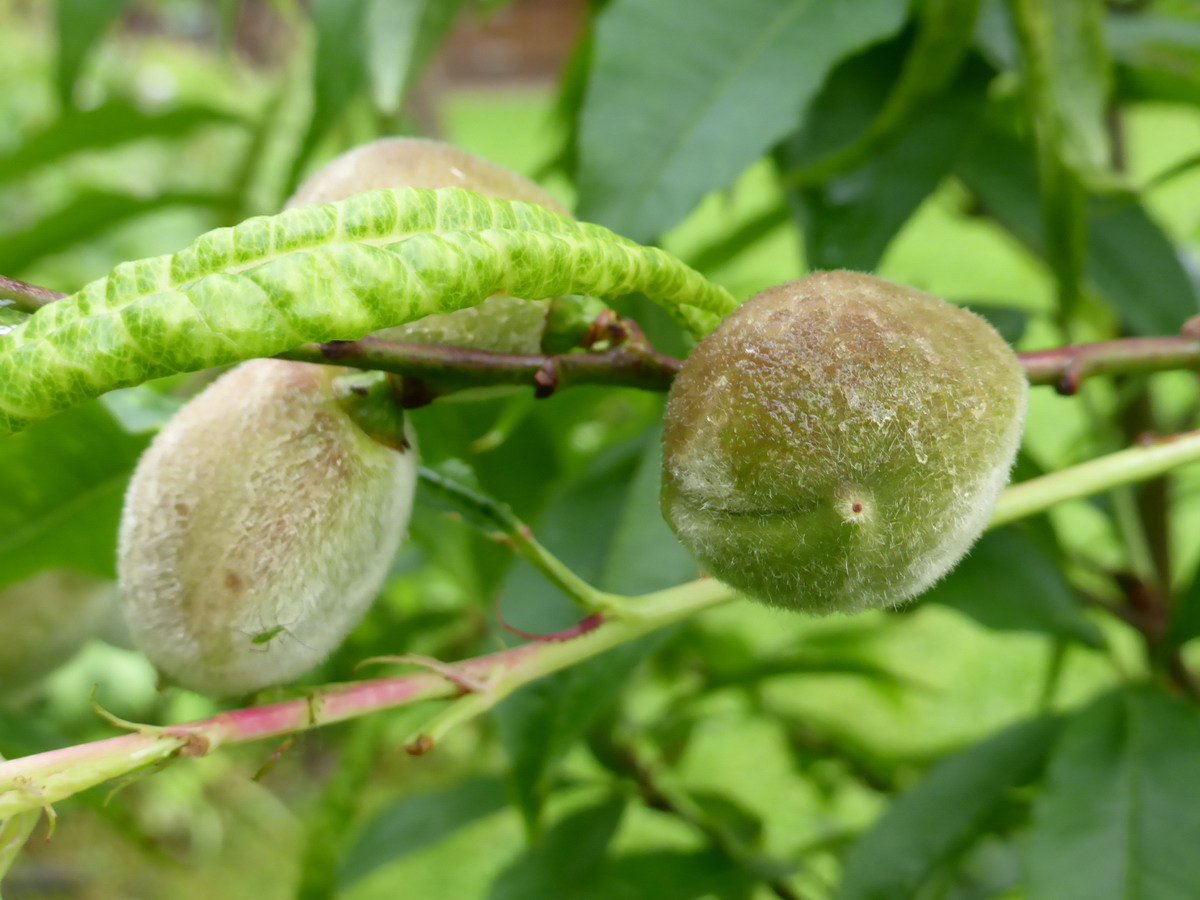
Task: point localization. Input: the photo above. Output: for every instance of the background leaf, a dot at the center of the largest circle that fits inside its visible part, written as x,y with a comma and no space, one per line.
849,220
114,123
80,24
1121,804
1076,79
402,36
944,32
1129,258
944,813
339,71
674,875
88,215
420,820
1185,616
564,864
62,482
1010,583
659,130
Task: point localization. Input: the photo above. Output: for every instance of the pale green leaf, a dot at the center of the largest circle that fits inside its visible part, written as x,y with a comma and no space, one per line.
402,36
116,122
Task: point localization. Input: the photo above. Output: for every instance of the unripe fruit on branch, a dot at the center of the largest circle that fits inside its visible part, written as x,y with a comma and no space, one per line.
416,162
500,324
45,619
258,528
839,442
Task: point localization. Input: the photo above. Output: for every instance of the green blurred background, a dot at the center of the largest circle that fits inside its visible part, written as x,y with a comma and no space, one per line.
792,734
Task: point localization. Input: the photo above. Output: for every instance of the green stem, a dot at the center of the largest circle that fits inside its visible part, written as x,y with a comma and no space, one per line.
1107,472
493,514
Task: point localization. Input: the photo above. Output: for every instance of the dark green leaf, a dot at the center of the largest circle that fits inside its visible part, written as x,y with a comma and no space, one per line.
1185,617
658,130
849,221
91,213
338,70
1120,811
1010,583
674,875
1132,261
564,864
80,24
1008,320
419,821
644,554
1129,259
994,35
63,481
944,813
731,815
402,36
808,663
991,870
731,245
1158,57
116,122
943,36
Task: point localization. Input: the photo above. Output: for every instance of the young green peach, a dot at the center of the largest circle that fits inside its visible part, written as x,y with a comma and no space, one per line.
258,528
839,442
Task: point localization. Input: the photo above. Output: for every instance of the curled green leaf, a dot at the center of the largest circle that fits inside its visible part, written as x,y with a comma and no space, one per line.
320,273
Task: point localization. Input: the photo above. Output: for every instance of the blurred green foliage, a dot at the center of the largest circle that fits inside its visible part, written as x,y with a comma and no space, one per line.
1027,730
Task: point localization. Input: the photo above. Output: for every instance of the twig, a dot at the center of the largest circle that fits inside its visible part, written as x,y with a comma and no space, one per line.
1066,367
455,368
439,370
28,298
